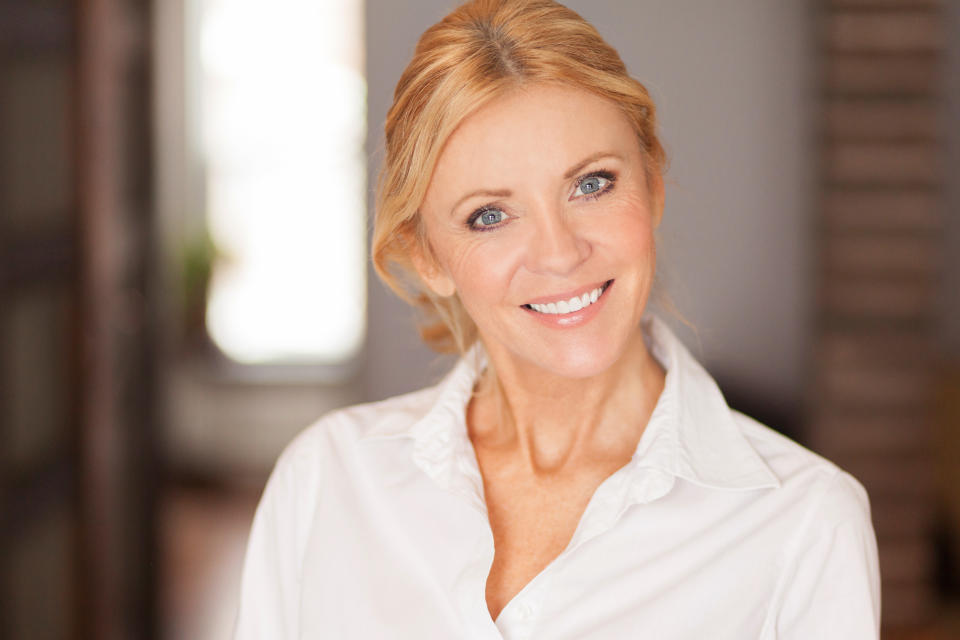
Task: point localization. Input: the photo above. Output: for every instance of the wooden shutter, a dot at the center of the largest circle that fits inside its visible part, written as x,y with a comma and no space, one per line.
77,412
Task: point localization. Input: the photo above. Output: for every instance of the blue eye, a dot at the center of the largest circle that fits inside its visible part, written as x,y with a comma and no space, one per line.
486,218
594,184
491,217
590,185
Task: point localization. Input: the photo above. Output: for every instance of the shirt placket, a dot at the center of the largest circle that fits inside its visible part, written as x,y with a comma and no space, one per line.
518,620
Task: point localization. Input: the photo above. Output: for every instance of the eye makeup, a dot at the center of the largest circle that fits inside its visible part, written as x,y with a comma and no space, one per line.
487,215
491,217
604,174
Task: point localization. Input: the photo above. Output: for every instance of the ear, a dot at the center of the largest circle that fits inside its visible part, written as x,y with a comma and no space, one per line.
432,274
657,197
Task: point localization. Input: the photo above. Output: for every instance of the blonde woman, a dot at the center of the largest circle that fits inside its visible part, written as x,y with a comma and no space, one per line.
578,474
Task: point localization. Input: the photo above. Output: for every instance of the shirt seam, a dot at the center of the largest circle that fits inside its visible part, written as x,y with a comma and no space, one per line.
791,555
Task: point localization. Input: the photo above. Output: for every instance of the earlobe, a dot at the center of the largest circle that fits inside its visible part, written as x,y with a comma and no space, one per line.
440,284
432,273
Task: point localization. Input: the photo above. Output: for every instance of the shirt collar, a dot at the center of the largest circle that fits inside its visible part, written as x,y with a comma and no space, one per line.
691,434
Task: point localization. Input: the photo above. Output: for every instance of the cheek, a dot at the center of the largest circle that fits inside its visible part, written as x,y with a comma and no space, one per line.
482,271
627,232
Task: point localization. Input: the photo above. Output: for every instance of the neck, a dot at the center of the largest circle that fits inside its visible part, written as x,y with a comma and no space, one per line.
549,424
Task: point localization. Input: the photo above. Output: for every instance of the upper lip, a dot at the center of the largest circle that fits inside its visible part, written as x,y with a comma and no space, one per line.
561,297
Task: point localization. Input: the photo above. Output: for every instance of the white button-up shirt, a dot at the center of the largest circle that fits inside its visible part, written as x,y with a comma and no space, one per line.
373,524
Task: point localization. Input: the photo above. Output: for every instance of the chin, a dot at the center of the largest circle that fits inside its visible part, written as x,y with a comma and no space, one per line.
581,361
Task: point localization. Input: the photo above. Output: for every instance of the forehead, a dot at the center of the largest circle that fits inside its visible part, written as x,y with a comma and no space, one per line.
535,129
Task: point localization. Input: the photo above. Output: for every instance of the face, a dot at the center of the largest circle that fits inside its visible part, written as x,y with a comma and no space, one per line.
540,218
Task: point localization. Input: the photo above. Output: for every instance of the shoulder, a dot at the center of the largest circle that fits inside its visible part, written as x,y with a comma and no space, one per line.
340,430
829,573
829,494
323,455
314,464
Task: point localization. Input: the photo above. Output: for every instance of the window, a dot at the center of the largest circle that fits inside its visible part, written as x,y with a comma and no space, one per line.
282,118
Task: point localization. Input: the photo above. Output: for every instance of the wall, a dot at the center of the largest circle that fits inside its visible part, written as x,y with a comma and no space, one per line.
733,84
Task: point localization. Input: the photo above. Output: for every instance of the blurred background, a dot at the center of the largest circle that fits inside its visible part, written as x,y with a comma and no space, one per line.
185,191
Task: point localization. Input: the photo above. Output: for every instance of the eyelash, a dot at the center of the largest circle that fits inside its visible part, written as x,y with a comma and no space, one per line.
479,212
609,176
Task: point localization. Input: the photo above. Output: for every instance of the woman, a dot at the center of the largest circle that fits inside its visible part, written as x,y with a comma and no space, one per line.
578,474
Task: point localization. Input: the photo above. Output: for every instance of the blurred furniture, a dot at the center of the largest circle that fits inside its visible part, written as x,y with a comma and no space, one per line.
77,463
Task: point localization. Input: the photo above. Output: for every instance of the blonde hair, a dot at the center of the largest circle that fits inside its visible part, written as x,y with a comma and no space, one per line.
479,51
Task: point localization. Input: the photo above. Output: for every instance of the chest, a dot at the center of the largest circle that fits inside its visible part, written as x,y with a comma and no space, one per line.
532,523
409,555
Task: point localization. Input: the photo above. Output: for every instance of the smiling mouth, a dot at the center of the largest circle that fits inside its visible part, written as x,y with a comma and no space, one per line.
572,305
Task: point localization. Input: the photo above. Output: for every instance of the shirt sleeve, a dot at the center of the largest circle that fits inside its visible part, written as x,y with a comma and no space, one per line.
270,583
831,588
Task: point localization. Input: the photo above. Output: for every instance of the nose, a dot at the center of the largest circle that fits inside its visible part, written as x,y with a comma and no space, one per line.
556,247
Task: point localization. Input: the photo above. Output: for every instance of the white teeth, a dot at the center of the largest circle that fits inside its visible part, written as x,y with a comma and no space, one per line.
569,306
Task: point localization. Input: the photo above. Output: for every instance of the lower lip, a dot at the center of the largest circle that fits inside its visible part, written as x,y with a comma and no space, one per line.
574,318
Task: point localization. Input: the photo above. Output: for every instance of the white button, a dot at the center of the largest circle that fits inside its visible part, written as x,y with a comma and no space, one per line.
525,611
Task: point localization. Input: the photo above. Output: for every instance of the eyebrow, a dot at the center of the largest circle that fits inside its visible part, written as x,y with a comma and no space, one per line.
589,160
506,193
490,193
